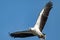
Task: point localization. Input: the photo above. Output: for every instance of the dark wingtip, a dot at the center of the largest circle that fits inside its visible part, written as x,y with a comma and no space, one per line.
49,4
11,34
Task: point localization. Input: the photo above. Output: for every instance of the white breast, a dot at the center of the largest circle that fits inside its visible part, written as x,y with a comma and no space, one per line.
36,31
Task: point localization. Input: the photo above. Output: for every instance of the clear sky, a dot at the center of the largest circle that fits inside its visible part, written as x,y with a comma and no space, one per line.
19,15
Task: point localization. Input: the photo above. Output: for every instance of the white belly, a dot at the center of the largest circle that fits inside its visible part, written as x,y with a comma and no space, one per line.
36,31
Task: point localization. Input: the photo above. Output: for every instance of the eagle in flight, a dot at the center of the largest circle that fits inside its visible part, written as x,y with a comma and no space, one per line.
38,27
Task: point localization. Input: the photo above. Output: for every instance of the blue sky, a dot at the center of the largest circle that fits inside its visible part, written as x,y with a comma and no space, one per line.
19,15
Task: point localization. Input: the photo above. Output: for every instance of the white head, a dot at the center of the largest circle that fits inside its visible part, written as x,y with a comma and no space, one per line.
31,28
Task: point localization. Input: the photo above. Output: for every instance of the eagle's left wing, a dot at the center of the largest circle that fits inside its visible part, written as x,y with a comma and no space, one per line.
45,14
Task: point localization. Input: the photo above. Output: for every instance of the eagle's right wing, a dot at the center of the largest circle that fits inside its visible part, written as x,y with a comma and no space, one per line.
22,34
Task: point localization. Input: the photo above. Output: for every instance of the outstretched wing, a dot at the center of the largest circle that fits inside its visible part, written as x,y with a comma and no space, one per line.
45,14
22,34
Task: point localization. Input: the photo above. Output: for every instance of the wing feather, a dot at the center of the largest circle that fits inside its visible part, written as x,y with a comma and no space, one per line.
45,14
22,34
